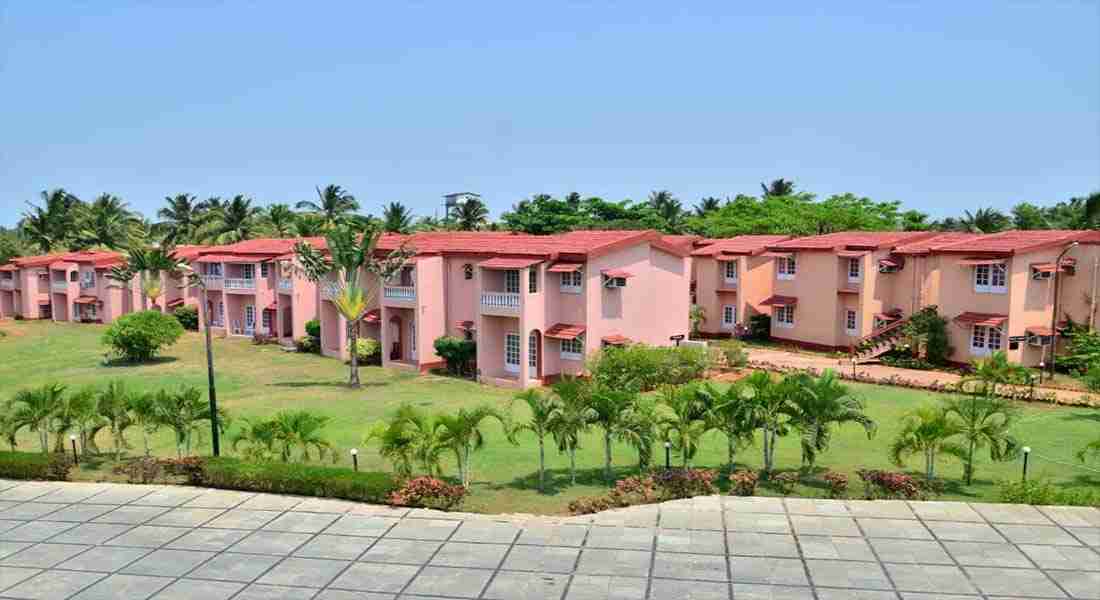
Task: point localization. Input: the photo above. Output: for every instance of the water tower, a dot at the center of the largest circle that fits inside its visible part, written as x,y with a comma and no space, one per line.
450,201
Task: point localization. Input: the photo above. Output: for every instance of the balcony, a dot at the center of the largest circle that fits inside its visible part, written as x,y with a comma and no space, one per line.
7,284
235,284
286,285
86,285
500,302
59,286
212,282
399,293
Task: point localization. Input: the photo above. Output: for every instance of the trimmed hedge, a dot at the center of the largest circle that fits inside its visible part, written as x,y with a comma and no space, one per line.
297,479
35,465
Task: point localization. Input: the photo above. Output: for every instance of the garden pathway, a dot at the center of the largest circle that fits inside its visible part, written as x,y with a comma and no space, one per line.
799,360
114,541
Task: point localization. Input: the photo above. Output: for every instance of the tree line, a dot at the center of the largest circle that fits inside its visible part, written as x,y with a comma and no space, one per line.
62,221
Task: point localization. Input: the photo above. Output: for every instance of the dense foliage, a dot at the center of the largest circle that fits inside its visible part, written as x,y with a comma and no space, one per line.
298,479
188,316
140,336
460,354
34,465
640,367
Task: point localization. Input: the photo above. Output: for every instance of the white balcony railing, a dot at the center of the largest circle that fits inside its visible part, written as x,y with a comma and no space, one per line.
60,286
500,300
7,284
286,285
85,284
239,284
212,280
399,292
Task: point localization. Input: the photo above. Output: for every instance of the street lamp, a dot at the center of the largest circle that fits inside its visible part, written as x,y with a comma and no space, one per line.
1043,365
668,455
355,459
853,367
1054,311
1027,453
76,457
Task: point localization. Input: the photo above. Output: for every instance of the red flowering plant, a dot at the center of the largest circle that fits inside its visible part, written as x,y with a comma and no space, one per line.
428,492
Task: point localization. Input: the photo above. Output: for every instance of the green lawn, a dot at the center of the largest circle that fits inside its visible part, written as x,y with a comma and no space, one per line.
258,380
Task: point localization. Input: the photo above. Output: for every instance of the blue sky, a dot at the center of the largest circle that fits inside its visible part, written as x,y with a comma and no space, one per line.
943,106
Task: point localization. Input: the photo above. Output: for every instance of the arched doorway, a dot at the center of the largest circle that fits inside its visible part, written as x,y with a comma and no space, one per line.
396,331
534,355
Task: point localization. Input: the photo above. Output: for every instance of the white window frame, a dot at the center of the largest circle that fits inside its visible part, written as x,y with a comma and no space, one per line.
511,367
572,349
87,277
468,271
533,351
249,315
851,322
786,267
784,316
265,269
730,271
986,278
248,271
572,282
266,320
412,339
511,281
985,339
855,270
215,269
532,280
729,316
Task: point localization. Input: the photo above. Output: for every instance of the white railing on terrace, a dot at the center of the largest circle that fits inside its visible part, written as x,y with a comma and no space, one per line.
399,292
500,299
84,284
286,285
209,279
60,286
232,283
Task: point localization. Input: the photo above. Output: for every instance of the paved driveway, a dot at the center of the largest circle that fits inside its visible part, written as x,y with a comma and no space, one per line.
104,541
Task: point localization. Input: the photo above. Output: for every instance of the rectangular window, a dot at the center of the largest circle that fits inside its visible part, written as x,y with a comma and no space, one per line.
511,352
786,267
533,352
851,323
572,349
468,271
572,281
985,339
990,279
412,339
249,316
784,316
265,269
265,320
853,269
73,276
214,269
532,280
731,271
729,316
511,282
248,271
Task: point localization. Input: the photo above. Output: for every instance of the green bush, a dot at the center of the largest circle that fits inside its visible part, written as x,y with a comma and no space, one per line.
299,479
1091,379
35,465
313,328
927,330
760,327
368,350
140,336
733,351
460,354
641,367
1042,492
188,316
307,344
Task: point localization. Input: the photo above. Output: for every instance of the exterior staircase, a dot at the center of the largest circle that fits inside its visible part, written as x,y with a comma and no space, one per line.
878,342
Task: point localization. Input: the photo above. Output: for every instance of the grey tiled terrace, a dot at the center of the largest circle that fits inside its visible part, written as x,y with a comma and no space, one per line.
91,541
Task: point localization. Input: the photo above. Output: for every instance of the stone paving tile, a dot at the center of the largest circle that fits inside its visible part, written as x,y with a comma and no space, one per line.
460,583
945,511
43,556
187,517
1078,584
835,547
807,525
235,567
690,590
697,567
331,594
208,539
894,528
368,526
121,494
465,554
753,504
339,547
308,572
487,532
375,577
508,585
1062,557
964,532
838,594
131,515
270,502
545,559
623,538
834,573
817,507
296,522
551,535
939,579
987,554
243,519
35,531
53,585
148,536
1013,582
759,523
9,548
259,591
104,558
324,505
742,543
30,511
1072,516
771,571
130,587
168,563
76,512
427,529
74,492
645,517
1013,514
910,551
408,552
629,563
691,541
604,587
168,497
192,589
1037,534
1087,535
686,518
884,509
219,499
271,542
10,576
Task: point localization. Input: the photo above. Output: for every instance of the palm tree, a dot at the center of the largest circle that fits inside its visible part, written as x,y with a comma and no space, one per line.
350,255
308,225
641,429
234,221
181,219
778,187
993,371
35,409
10,426
686,420
83,409
471,215
151,267
984,421
707,205
668,208
820,404
51,225
334,204
544,410
106,222
461,434
985,220
190,279
70,415
610,409
728,415
300,429
767,404
928,431
258,438
113,404
572,419
184,412
280,221
143,408
408,438
396,218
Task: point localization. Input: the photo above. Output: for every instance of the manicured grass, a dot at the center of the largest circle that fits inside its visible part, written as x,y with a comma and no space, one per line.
258,380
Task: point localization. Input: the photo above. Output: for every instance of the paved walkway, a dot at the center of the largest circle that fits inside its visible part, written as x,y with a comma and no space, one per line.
111,541
799,360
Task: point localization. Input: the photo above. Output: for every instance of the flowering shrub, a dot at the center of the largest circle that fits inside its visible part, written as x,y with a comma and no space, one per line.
589,505
838,484
149,469
671,484
892,486
428,492
685,483
744,483
784,482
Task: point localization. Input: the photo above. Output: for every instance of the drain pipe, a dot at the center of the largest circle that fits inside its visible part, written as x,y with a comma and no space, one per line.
1054,310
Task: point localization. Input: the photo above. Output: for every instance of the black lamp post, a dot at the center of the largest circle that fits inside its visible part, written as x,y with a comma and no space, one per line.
1027,453
76,457
355,459
668,455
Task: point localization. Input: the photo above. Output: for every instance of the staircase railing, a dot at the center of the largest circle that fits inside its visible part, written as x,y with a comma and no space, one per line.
879,334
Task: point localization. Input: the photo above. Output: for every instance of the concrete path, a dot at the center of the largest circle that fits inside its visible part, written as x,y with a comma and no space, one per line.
110,541
799,360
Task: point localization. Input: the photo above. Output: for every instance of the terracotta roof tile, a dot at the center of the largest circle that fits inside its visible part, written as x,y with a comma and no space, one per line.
976,318
742,244
853,240
778,300
565,331
502,262
929,244
1016,242
579,243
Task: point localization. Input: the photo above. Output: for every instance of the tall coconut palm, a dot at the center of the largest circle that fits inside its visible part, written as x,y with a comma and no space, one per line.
181,219
997,370
610,409
778,187
396,218
543,410
668,208
51,225
184,273
235,221
985,220
685,422
928,431
113,404
334,204
572,419
728,415
470,215
351,255
984,421
818,406
152,267
407,439
308,225
107,222
461,433
280,221
36,408
707,205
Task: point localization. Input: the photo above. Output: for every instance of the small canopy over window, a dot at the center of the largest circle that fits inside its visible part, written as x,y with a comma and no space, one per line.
976,318
563,267
780,301
565,331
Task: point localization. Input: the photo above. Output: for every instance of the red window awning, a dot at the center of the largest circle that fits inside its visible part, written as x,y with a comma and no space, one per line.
887,316
509,263
465,326
9,268
616,273
851,254
564,267
174,303
373,316
616,340
976,318
272,306
886,262
565,331
780,301
86,300
1041,331
43,302
778,254
973,262
233,258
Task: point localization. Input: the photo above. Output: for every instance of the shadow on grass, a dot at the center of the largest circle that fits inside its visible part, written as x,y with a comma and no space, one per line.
558,480
1093,415
122,362
330,384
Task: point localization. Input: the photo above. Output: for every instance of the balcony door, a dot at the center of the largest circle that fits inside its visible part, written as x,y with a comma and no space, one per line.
248,271
511,352
249,318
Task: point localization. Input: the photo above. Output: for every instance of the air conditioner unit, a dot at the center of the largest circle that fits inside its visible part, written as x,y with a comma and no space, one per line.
1038,340
614,282
887,269
1041,275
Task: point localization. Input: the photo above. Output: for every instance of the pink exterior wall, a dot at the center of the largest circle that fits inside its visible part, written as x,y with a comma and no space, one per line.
818,310
755,283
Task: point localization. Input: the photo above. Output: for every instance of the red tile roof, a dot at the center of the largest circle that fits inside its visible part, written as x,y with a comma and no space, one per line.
96,258
41,260
929,244
574,243
502,262
686,242
565,331
617,273
853,240
564,267
1016,242
62,265
742,244
976,318
231,258
616,340
778,300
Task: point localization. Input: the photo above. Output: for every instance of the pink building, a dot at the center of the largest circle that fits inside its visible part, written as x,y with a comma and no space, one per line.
537,305
25,287
732,278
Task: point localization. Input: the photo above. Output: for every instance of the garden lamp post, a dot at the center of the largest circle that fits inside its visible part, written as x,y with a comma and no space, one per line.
1027,453
668,455
1054,310
1043,365
355,459
76,457
853,367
